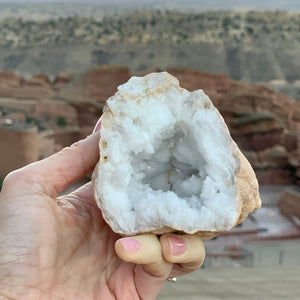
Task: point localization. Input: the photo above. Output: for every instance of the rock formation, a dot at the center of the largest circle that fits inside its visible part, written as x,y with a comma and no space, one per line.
62,79
289,205
17,147
13,86
265,124
46,116
94,85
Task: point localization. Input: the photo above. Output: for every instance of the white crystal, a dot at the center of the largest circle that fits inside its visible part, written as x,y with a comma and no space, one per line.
167,159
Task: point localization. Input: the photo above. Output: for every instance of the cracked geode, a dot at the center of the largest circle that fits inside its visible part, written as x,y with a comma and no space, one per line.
168,163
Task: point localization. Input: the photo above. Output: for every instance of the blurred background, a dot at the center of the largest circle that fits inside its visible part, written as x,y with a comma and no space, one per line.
61,60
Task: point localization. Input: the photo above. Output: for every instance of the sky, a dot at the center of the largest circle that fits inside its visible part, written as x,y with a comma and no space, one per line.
206,4
212,2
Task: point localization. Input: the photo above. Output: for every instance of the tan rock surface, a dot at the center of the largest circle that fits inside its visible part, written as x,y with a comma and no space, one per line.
289,203
95,85
17,148
52,110
13,86
8,82
63,78
276,156
233,96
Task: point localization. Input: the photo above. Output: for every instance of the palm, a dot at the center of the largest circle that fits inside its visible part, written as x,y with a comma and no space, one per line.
70,251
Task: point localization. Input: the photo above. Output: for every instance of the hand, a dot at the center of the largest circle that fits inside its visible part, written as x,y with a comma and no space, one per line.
61,248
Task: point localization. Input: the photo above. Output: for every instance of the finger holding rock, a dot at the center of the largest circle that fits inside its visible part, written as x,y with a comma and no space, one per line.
151,268
185,251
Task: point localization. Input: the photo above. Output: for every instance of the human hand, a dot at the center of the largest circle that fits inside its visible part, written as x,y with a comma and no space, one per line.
61,248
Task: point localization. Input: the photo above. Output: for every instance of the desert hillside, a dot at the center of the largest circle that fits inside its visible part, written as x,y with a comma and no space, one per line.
248,46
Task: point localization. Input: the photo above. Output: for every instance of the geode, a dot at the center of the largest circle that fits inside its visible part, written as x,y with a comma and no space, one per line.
168,163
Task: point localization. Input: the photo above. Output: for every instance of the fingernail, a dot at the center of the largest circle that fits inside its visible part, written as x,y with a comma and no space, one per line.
177,245
130,245
98,126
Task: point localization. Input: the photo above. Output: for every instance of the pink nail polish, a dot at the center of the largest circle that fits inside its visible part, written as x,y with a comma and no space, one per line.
177,245
130,245
97,126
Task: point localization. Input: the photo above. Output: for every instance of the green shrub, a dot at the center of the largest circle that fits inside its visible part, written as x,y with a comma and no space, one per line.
250,20
52,23
245,118
153,22
249,30
61,122
226,23
143,24
29,119
266,29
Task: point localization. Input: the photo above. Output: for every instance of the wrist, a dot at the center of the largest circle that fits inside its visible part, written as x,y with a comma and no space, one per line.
6,297
10,286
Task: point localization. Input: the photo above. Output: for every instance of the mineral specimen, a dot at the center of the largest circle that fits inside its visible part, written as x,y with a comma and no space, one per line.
168,163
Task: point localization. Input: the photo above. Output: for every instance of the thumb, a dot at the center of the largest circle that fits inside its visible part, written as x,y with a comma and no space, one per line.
58,171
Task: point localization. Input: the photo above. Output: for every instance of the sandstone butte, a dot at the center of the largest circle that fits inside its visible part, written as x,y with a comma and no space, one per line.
265,124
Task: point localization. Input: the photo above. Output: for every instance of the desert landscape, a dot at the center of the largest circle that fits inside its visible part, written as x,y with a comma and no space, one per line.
251,46
57,69
52,114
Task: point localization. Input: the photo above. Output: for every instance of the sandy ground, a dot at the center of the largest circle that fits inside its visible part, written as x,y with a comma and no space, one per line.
271,283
